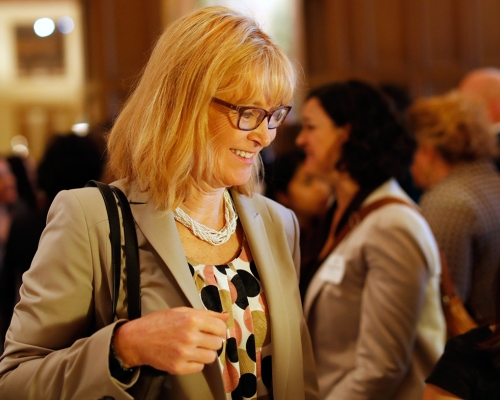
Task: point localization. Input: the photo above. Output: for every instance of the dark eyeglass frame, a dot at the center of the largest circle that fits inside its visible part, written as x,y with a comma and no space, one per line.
242,109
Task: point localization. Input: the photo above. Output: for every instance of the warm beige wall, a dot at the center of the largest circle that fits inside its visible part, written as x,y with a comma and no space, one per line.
38,106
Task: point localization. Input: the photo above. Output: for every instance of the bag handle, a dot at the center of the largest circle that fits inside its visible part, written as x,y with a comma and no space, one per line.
356,217
131,250
114,237
151,381
131,256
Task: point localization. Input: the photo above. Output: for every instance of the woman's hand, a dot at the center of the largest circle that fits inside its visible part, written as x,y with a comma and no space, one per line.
180,340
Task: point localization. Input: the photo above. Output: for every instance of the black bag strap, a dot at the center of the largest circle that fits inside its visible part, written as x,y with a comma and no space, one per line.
151,380
114,237
131,256
131,249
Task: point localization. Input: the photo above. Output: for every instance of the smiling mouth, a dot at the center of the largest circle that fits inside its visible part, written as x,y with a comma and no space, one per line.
242,153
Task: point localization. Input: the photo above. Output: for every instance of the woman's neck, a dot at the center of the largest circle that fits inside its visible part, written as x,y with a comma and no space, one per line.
345,188
206,208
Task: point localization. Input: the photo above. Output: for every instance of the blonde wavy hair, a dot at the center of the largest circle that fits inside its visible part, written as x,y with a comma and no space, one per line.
457,126
161,140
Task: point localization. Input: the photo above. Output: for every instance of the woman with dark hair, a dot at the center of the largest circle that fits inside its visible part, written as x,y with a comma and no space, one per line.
372,296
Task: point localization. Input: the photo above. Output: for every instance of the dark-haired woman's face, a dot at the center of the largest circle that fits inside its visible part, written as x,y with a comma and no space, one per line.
321,139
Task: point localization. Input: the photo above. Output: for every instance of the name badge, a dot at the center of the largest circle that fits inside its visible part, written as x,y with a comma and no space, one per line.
333,269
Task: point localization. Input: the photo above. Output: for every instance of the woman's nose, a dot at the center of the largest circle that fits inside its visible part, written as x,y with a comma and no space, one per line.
299,140
262,134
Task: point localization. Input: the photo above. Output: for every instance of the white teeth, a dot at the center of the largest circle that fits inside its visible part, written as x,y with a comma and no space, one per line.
242,153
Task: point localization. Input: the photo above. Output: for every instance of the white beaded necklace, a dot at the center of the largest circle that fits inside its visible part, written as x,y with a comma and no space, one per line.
207,234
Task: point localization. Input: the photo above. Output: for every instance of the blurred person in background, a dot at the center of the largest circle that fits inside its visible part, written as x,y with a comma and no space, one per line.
483,84
470,365
17,188
8,201
69,162
25,188
308,196
372,303
454,165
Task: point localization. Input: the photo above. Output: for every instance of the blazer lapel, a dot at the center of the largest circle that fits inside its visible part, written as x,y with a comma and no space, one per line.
255,232
160,230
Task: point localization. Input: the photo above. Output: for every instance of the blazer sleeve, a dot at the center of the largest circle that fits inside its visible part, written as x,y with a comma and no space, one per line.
393,296
53,350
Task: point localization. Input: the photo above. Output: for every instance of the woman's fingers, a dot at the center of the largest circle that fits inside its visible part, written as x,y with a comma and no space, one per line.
174,340
215,323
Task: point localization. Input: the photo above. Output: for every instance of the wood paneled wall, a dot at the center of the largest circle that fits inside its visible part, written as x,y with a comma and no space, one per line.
425,45
120,35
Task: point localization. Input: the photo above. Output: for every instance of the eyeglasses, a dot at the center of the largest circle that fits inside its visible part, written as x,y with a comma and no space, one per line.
249,118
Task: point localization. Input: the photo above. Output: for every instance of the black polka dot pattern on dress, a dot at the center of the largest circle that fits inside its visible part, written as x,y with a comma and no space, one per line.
245,356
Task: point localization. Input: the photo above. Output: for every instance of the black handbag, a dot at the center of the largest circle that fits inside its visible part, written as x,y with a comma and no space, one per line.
151,380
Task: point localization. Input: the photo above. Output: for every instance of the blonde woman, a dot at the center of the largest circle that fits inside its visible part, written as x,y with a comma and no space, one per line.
454,165
220,302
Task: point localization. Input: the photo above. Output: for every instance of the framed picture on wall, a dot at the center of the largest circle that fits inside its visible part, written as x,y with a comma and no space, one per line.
37,55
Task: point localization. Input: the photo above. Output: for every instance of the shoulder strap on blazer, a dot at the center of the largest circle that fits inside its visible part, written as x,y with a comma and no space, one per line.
447,284
131,256
151,380
114,237
131,251
359,215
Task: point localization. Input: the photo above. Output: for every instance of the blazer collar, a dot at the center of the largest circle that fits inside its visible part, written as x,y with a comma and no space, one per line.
160,230
389,188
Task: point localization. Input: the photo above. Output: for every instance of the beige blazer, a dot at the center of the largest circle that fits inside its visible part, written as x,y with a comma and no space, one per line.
373,307
58,343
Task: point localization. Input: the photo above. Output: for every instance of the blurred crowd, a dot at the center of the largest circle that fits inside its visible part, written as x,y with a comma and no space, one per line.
382,186
27,190
388,189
